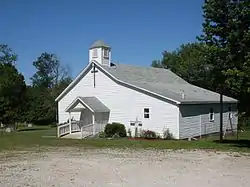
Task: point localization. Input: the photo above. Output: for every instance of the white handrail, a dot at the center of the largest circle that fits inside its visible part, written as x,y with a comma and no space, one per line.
63,129
77,126
87,130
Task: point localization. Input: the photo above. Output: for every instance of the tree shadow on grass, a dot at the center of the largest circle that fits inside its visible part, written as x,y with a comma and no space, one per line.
32,129
242,143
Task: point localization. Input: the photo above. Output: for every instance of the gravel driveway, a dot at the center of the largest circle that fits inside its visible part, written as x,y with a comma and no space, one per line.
133,168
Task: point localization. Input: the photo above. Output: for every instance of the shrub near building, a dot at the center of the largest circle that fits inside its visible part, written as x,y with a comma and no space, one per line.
114,129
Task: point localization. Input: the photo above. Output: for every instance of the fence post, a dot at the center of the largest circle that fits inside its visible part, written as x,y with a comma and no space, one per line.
58,130
93,122
70,123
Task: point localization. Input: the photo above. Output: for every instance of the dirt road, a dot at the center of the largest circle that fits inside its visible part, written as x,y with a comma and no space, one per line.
132,168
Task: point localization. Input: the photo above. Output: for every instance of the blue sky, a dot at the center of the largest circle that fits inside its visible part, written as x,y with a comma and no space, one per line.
138,31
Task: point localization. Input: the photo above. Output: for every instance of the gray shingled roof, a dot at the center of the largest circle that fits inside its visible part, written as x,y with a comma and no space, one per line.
164,82
99,43
92,102
95,104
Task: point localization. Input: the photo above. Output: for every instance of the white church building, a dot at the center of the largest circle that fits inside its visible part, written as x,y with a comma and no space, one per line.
145,98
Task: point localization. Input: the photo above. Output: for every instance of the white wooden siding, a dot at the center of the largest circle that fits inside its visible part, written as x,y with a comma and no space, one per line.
194,119
98,58
124,103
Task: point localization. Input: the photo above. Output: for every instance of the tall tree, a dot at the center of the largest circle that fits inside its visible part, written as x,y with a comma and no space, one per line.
40,107
7,55
50,74
189,62
47,66
12,87
226,29
48,82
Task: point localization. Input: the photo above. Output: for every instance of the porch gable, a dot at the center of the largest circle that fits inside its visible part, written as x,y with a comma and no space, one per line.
92,103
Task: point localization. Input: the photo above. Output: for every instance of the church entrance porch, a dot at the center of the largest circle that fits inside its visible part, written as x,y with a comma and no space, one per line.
94,115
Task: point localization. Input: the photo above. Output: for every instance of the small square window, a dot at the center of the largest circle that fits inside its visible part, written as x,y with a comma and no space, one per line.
132,124
146,112
211,114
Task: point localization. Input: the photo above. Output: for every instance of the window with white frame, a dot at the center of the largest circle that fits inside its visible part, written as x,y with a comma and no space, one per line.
211,114
106,53
94,53
146,112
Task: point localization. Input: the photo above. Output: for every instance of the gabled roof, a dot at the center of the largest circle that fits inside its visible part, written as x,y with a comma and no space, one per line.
164,82
92,103
158,82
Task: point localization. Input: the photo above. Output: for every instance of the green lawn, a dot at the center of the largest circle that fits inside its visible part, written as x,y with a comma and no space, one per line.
38,138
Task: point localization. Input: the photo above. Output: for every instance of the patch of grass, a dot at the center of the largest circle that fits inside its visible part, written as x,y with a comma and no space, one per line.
35,139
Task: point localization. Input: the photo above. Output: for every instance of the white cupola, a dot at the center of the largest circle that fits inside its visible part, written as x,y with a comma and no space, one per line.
100,52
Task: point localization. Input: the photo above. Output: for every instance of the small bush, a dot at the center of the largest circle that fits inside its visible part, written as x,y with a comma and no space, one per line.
167,135
115,128
148,134
102,135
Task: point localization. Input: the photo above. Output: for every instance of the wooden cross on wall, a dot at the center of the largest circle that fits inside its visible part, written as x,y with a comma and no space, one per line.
94,71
